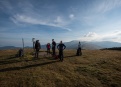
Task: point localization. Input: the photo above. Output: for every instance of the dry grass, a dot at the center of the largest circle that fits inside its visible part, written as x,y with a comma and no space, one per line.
95,68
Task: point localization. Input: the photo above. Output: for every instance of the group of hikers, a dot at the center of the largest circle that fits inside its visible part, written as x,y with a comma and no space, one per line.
60,47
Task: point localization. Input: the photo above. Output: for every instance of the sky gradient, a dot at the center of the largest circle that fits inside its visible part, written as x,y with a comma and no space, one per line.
66,20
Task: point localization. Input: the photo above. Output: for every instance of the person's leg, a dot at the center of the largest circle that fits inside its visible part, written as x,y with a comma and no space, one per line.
37,53
54,51
60,55
48,51
80,53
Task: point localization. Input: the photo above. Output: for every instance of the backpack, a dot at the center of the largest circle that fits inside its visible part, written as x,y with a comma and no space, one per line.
37,45
48,46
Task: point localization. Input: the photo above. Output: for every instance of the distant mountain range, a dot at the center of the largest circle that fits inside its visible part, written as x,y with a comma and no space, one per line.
92,45
74,45
11,47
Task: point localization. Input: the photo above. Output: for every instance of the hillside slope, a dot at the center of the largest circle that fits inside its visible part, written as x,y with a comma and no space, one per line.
95,68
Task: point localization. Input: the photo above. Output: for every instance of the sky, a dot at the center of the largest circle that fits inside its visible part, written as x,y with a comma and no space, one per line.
66,20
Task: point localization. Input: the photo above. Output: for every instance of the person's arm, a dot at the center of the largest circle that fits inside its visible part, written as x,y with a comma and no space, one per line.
64,46
55,43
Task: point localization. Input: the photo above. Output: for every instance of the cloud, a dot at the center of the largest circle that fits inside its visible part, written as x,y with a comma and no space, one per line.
107,5
5,5
71,16
98,13
59,22
92,36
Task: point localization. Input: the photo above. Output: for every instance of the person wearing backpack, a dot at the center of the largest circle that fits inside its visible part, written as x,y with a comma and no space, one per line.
37,48
61,47
48,48
53,47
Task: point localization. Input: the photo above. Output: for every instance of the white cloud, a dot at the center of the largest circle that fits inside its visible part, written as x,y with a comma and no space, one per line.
107,5
59,22
58,19
71,16
92,36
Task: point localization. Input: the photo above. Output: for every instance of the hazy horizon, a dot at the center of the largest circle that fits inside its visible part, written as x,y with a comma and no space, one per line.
84,20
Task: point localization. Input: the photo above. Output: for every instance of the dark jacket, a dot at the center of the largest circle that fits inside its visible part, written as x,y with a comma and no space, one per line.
53,44
61,46
37,46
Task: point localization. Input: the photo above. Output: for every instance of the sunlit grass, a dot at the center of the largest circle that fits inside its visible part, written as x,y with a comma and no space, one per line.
95,68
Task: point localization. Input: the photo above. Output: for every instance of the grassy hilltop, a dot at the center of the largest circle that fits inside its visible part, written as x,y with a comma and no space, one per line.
95,68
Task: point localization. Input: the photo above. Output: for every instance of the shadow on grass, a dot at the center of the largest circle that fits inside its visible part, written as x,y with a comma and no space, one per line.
25,67
19,59
29,66
69,56
55,57
11,60
12,57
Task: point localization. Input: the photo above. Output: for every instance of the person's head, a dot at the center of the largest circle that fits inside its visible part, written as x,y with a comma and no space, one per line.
52,39
37,41
61,42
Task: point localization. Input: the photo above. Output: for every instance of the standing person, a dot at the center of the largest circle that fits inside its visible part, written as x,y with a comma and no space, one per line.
48,48
61,47
37,48
79,53
53,47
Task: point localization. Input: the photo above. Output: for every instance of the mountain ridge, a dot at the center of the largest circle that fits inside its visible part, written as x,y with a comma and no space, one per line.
74,45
